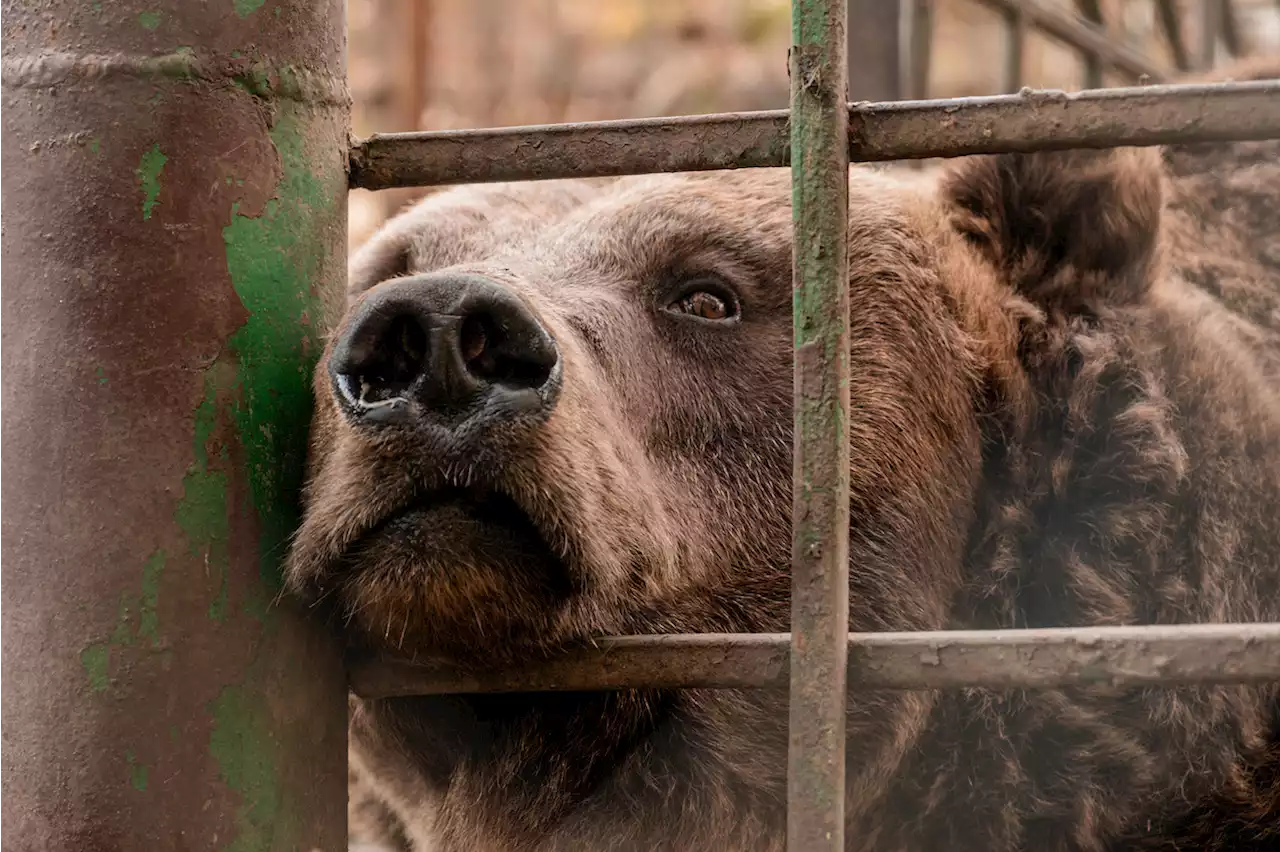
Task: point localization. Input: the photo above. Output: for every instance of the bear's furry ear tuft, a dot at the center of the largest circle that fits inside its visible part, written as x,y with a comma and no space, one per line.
1071,231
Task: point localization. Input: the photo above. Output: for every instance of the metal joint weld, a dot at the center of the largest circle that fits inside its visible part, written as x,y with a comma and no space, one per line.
286,81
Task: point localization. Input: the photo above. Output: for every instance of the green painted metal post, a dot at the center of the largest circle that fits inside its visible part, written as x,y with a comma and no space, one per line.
820,572
175,200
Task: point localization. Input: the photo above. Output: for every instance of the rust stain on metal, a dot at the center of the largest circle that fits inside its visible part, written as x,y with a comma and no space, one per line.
1149,115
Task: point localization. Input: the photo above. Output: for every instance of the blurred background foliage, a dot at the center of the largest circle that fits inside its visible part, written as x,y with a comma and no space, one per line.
451,64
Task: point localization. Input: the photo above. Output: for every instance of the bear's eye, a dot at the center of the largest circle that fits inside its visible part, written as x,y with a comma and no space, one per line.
706,301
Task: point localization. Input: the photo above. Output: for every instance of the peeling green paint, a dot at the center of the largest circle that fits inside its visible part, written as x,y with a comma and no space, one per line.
101,375
148,617
202,514
202,511
149,20
264,390
245,8
245,754
96,661
272,260
95,145
121,637
137,772
148,172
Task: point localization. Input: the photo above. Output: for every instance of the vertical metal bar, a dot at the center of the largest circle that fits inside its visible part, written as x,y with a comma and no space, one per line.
820,546
176,188
1015,48
1210,29
1232,36
419,25
1170,17
921,48
1091,11
409,25
874,50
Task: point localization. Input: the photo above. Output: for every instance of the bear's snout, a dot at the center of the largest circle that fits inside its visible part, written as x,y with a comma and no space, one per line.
454,351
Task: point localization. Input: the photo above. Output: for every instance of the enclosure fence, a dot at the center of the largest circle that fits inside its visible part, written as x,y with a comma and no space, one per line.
818,138
174,392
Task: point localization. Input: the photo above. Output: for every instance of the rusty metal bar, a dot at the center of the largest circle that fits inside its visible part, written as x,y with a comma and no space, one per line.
1170,18
1068,28
820,478
173,199
1028,121
1163,655
874,50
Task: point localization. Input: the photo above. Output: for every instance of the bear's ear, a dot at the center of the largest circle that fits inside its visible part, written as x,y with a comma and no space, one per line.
1071,231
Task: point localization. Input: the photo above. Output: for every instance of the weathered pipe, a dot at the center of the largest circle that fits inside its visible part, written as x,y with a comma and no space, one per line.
174,182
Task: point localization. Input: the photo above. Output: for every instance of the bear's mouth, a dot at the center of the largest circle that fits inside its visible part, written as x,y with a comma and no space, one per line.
473,522
485,506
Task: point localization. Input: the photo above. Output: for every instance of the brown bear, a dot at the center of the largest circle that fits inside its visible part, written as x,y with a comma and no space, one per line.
561,410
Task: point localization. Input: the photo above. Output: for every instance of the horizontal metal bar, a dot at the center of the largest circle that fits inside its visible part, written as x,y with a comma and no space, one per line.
1164,655
900,130
1090,40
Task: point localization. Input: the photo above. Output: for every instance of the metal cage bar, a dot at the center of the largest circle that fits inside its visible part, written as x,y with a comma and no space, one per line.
901,130
174,216
1210,31
1091,11
820,477
818,137
1169,15
1069,28
1008,659
1015,25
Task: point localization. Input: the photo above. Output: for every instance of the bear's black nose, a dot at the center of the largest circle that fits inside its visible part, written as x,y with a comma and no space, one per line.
446,347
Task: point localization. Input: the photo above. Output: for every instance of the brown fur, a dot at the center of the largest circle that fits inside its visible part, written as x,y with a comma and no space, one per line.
1065,412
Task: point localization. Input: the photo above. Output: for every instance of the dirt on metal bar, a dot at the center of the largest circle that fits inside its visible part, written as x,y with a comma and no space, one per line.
1163,655
1028,121
820,476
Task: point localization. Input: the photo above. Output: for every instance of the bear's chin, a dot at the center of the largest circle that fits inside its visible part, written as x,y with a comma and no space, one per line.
459,574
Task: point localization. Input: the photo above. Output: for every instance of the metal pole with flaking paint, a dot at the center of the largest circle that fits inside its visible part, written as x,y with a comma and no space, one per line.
175,177
820,483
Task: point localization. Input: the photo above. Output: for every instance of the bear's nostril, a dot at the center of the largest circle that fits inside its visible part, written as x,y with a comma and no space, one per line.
384,367
516,354
473,339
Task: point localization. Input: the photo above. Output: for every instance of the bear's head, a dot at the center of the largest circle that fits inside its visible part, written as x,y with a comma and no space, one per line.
560,410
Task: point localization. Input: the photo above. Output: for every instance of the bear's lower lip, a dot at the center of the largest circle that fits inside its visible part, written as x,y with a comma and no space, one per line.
457,573
449,517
